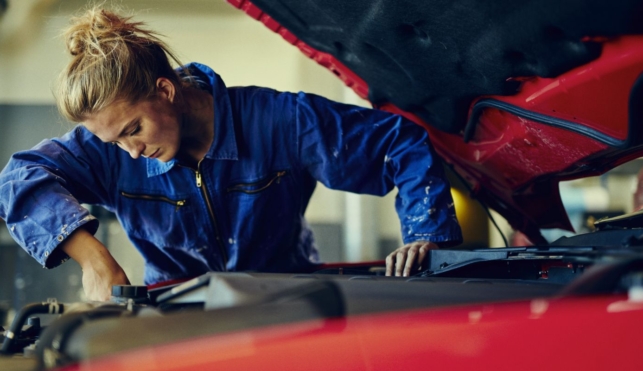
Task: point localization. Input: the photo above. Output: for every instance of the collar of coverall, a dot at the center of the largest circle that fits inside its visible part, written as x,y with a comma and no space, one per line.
224,145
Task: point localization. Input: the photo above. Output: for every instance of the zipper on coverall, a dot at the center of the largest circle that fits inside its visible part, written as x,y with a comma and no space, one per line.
213,219
177,203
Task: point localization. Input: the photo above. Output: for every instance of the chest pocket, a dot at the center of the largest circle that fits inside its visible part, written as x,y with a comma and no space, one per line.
164,220
258,186
262,214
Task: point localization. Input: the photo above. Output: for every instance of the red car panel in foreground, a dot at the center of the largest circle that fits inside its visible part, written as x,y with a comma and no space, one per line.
570,333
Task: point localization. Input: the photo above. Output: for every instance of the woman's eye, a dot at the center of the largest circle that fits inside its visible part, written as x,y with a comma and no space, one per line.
136,130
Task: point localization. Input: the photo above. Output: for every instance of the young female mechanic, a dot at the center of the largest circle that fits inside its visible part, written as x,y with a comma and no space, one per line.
201,176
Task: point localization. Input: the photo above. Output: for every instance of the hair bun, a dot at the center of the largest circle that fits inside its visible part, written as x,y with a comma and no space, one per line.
114,57
76,43
97,31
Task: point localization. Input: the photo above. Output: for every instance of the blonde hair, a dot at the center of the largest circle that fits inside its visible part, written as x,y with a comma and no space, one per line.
113,58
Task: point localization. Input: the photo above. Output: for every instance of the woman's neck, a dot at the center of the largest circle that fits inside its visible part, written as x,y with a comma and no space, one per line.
197,127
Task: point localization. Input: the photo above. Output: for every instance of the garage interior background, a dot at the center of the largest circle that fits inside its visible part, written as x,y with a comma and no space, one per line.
347,227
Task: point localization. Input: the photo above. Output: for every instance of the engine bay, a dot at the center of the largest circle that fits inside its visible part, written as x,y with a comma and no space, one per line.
221,303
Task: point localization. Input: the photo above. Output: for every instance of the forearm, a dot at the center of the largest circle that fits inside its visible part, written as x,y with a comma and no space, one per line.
100,269
424,203
86,250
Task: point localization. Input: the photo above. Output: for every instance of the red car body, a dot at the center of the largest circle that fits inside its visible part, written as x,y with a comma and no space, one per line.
573,333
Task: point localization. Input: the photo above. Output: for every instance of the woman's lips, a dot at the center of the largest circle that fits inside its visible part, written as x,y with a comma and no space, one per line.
155,154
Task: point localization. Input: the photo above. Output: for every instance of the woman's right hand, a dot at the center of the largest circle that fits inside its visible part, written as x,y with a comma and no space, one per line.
100,270
98,280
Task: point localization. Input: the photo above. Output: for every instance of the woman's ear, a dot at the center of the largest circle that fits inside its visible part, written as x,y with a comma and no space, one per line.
165,88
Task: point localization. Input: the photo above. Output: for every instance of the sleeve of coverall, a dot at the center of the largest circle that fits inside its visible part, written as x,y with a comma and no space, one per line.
369,151
41,191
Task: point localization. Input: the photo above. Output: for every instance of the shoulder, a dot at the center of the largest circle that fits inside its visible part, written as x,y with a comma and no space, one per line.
261,97
81,138
81,143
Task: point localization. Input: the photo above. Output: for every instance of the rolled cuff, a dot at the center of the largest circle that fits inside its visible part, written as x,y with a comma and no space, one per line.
52,256
443,238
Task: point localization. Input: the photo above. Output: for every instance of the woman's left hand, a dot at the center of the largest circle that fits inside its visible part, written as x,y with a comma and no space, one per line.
408,258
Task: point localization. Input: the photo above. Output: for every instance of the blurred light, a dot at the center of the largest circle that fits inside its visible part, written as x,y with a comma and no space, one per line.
460,201
538,307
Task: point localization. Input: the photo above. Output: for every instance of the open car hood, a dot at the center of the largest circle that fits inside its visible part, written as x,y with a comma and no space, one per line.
516,96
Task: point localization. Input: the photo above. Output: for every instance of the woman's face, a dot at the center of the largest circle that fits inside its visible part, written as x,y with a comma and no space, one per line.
150,128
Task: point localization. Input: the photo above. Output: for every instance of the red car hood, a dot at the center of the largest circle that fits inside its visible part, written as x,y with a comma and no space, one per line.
516,96
524,335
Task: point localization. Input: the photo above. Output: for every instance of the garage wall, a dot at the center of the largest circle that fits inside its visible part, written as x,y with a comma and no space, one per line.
208,31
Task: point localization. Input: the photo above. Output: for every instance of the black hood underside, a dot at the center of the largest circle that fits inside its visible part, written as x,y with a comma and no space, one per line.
433,58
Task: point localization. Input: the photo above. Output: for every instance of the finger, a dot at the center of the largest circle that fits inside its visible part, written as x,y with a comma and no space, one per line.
410,260
389,263
424,250
400,259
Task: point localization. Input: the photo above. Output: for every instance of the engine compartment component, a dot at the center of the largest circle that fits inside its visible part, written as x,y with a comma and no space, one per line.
222,303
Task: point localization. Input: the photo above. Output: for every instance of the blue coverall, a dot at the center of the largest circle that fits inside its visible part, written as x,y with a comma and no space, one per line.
243,207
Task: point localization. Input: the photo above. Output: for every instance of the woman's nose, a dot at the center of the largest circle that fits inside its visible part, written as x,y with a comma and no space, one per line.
135,149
